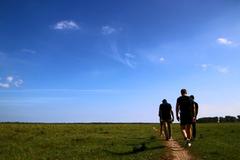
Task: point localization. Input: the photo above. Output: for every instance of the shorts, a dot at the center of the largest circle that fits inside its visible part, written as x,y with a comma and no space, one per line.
185,120
166,120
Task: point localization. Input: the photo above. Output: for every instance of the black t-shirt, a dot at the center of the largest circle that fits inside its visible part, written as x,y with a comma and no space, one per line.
186,106
165,110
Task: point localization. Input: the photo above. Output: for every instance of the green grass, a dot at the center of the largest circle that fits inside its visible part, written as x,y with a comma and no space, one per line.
112,142
79,141
214,141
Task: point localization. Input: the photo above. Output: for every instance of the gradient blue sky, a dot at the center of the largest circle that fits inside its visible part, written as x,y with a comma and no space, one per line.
115,60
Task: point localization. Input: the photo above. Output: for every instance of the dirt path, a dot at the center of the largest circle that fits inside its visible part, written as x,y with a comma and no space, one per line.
176,151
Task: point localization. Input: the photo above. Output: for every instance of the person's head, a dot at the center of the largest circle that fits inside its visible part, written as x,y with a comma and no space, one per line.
164,101
192,96
183,92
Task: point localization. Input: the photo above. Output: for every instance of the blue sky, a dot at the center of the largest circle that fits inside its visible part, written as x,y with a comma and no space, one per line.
114,61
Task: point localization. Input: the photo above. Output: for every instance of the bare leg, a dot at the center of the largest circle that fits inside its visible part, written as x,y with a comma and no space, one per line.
188,131
165,126
169,130
183,130
161,128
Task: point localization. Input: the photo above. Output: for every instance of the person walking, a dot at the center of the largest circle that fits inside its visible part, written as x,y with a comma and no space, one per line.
194,132
185,106
166,118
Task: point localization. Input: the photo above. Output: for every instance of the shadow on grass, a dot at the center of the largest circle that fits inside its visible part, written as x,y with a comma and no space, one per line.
136,149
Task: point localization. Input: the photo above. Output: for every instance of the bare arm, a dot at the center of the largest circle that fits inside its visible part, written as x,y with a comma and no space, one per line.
194,112
172,115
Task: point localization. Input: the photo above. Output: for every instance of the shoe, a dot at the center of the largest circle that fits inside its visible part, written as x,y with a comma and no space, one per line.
188,143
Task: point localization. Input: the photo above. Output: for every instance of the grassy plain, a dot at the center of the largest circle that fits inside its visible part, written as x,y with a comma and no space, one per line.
214,141
80,142
112,142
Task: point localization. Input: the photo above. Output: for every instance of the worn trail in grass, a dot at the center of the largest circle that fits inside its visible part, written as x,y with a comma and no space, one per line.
176,152
214,141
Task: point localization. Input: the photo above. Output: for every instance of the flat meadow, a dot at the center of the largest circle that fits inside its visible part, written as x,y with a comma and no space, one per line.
215,141
21,141
79,142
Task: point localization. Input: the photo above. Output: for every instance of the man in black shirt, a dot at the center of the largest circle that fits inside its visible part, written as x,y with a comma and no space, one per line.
186,107
166,118
194,121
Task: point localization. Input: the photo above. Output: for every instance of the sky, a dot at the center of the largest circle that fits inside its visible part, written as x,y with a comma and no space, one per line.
115,60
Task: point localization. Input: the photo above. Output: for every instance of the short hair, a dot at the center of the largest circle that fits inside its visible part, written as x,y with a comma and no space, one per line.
192,96
164,101
183,91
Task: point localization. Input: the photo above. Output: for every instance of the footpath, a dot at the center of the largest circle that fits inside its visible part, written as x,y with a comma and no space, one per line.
177,152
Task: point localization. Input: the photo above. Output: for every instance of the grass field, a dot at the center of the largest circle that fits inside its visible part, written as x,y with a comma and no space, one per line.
79,141
111,142
214,141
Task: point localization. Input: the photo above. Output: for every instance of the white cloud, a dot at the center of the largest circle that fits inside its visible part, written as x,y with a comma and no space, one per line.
127,59
18,83
107,30
66,25
154,58
130,60
28,51
223,70
204,66
4,85
10,81
224,41
161,59
218,68
129,55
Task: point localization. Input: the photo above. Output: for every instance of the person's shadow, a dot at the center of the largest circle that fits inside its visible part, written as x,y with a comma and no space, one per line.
136,149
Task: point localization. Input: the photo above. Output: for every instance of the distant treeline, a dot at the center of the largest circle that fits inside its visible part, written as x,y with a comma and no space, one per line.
219,119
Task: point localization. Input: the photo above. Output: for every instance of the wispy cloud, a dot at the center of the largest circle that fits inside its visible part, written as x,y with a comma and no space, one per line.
224,41
128,59
18,83
204,66
116,53
154,58
161,59
10,81
129,55
8,59
222,69
30,51
218,68
66,25
4,85
107,30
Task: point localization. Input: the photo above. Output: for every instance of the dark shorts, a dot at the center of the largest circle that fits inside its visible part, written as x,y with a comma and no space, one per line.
167,120
185,120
